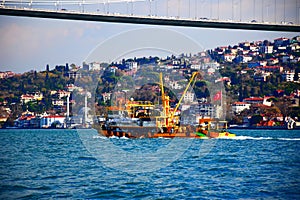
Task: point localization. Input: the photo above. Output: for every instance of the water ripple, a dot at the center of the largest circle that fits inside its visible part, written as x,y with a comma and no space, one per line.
52,164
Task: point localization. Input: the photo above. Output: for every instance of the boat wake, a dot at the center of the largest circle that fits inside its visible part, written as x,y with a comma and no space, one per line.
223,138
164,138
99,137
288,139
111,137
258,138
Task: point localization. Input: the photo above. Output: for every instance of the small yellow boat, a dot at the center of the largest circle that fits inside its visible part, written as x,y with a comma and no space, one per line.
211,129
226,134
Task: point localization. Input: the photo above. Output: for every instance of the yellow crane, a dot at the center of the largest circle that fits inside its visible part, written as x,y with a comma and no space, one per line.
170,120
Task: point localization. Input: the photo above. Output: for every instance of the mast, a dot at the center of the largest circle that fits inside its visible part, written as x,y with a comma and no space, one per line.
165,102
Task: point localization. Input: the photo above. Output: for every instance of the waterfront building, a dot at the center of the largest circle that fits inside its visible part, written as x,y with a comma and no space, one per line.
51,120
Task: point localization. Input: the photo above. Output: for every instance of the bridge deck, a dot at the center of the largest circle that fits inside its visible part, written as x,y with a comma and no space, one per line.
148,20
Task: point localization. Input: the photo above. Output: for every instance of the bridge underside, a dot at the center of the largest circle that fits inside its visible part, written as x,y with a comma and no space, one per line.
148,20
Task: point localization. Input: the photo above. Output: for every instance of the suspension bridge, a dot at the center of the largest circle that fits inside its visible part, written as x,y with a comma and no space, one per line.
270,15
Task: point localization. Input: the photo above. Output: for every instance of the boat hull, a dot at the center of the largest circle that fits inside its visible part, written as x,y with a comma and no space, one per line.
222,134
154,132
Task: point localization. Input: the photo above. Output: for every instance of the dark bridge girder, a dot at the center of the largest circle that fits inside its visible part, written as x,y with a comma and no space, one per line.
147,20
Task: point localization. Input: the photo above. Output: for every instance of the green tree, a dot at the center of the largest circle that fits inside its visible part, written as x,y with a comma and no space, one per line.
297,71
255,119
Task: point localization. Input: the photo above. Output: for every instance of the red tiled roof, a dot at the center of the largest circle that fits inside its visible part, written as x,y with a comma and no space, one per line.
254,99
282,38
53,116
27,96
261,106
239,103
269,97
270,67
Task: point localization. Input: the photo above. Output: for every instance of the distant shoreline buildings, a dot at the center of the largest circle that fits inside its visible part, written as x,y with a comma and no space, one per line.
262,63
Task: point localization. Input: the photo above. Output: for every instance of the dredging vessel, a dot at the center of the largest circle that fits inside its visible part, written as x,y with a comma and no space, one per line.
140,122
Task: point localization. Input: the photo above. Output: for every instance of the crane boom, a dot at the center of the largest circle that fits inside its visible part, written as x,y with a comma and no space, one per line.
170,122
161,84
181,98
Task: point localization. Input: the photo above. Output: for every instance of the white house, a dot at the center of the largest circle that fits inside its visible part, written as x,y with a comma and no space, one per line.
58,102
25,98
247,58
6,74
238,107
132,65
72,87
263,63
229,57
175,85
266,49
258,100
37,96
289,76
189,97
95,66
194,66
47,121
207,110
62,93
113,69
106,96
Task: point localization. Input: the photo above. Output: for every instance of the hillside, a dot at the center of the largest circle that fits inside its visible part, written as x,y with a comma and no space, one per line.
246,70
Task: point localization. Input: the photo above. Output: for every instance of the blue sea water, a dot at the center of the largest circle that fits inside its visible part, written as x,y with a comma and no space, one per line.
70,164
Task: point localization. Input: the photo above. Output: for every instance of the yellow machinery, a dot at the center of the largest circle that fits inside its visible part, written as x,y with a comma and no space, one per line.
168,122
139,109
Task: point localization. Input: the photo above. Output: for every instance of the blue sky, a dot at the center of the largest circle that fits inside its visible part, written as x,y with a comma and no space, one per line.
32,43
